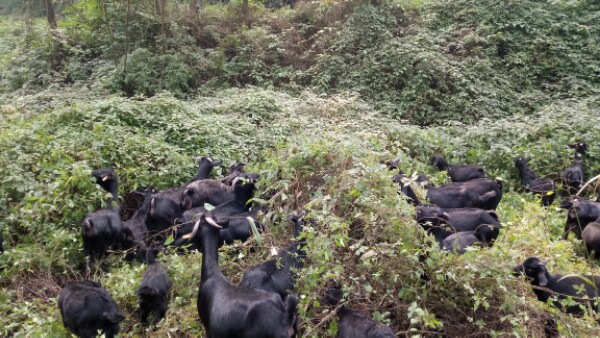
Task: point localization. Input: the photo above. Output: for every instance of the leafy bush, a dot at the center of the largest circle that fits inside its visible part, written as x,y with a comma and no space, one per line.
314,153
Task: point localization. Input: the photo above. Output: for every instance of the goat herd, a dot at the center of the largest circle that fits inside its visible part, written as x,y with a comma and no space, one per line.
461,214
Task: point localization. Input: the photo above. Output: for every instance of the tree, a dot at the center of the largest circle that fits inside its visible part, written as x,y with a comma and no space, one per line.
58,53
194,8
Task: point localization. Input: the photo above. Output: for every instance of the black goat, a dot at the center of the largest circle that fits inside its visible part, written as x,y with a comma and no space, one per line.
591,238
168,205
456,240
276,275
236,170
460,241
583,290
1,242
205,166
353,324
239,226
461,219
581,213
532,183
483,193
87,307
227,310
135,230
154,289
573,177
457,172
391,164
165,207
101,229
214,192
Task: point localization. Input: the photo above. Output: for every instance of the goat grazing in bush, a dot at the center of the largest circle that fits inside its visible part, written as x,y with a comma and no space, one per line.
276,275
353,324
573,177
227,310
532,183
581,213
101,229
214,192
583,290
154,289
87,307
135,230
457,172
205,166
239,228
461,219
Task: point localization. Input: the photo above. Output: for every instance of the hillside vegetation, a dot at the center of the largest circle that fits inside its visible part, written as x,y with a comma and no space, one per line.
312,98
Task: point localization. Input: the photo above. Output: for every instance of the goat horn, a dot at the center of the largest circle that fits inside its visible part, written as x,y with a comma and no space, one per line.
194,231
212,222
105,178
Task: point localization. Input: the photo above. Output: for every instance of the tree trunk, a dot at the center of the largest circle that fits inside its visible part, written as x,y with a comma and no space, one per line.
163,8
245,10
194,8
51,15
158,8
58,55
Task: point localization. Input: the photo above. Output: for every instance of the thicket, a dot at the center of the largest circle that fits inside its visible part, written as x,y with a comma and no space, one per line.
321,154
312,98
424,61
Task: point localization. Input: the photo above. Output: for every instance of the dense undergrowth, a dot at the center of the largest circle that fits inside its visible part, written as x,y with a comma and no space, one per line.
320,154
313,98
424,61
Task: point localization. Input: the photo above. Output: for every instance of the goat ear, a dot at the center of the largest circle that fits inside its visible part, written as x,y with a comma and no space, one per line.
127,234
88,224
518,270
542,280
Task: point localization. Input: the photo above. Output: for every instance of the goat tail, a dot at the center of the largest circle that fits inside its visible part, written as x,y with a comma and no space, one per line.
291,303
493,214
146,291
499,182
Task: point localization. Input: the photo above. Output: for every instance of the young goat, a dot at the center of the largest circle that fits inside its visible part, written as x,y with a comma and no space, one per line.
276,275
583,290
154,289
87,307
101,229
227,310
457,172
